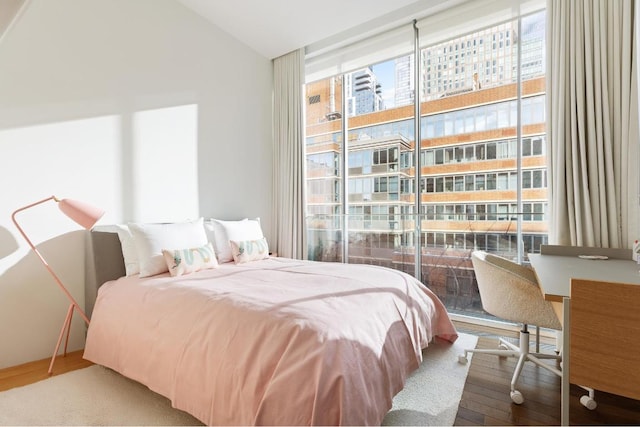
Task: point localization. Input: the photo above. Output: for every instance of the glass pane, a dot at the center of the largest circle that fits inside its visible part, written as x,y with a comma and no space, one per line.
324,176
485,113
468,151
380,127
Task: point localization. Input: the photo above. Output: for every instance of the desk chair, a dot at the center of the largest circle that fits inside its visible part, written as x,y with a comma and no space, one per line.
511,292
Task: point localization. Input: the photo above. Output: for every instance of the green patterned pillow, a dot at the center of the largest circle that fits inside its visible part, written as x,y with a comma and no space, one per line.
249,250
185,261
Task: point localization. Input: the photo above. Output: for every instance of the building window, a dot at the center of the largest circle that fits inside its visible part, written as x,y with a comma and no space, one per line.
469,148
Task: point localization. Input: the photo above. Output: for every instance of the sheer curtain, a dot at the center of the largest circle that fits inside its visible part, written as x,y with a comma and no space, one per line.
592,118
288,156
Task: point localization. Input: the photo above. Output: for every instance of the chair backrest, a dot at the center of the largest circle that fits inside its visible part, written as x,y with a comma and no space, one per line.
511,291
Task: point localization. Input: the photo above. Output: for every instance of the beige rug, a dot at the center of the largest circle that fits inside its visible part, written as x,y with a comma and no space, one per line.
98,396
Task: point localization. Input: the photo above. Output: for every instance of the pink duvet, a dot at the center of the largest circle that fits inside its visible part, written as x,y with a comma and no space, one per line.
277,341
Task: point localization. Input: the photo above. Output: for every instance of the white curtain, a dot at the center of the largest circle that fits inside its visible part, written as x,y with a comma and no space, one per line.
289,226
592,118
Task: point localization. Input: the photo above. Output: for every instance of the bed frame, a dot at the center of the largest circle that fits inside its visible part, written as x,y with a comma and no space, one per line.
104,262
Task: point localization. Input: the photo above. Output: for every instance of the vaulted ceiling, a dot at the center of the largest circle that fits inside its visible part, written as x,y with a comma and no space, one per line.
8,11
275,27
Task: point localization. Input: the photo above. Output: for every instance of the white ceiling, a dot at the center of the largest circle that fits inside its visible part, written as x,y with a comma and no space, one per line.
9,9
275,27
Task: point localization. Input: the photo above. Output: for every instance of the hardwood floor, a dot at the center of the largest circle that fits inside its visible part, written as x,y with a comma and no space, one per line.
485,399
17,376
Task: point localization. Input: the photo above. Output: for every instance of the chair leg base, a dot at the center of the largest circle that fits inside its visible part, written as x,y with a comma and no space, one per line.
516,397
521,351
588,402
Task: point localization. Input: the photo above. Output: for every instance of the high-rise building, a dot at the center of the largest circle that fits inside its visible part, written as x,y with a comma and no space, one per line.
484,58
469,172
364,92
404,80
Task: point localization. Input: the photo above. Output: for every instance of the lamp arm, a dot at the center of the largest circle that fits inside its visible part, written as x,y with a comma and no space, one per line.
13,218
46,264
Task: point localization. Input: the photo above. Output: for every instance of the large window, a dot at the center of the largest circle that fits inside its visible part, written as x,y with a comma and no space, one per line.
475,180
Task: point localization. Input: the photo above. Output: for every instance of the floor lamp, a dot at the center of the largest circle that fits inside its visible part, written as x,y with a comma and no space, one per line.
86,216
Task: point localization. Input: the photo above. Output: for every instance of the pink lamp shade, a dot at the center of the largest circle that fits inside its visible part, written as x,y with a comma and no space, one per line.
82,213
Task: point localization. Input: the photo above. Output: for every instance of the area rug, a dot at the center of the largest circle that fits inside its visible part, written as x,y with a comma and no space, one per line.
98,396
432,393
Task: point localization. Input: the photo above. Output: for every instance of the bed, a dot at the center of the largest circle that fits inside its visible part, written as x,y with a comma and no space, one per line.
274,341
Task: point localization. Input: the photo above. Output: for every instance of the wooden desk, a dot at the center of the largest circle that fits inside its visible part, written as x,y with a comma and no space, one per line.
605,344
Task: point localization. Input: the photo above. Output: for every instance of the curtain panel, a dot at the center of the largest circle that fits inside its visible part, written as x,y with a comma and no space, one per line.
289,225
592,119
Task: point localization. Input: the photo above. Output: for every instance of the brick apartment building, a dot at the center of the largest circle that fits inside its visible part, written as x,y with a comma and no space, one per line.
468,185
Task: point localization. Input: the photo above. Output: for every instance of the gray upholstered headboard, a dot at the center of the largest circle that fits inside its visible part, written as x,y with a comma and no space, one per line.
104,262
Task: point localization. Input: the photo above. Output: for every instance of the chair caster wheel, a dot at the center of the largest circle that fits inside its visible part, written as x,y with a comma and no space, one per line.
588,402
503,347
462,359
516,397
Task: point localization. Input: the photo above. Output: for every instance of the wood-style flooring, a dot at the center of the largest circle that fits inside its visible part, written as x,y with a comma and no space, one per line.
485,399
17,376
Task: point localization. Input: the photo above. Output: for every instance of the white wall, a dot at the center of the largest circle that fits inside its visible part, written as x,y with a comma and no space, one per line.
140,107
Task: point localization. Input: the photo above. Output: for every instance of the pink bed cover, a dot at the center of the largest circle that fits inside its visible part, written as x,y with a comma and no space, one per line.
271,342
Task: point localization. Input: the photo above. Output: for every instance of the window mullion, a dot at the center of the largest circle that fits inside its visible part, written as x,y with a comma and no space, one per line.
417,148
520,241
345,175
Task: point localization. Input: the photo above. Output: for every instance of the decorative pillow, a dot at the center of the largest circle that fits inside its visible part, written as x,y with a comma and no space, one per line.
129,252
151,239
185,261
221,232
249,250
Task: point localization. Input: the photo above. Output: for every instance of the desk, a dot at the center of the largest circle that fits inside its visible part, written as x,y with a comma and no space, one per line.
557,267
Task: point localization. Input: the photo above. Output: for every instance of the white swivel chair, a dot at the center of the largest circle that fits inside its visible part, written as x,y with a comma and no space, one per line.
511,292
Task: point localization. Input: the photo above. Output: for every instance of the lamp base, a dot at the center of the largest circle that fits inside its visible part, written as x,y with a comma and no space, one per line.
66,327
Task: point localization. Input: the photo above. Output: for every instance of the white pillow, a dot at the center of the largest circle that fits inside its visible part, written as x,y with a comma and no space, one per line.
221,232
129,252
151,239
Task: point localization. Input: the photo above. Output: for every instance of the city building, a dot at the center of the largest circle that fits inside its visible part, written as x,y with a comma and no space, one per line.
404,81
469,165
365,94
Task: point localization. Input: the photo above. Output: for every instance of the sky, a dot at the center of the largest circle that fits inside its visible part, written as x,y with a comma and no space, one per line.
385,72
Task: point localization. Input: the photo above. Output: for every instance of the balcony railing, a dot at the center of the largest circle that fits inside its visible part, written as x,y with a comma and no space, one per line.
445,247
